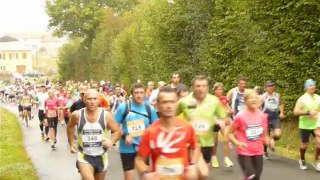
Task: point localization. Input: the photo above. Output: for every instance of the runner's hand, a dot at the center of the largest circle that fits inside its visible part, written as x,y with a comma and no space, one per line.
73,149
128,140
106,143
150,176
242,145
191,172
282,116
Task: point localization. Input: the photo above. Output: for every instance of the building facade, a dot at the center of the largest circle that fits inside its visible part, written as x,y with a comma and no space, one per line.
15,57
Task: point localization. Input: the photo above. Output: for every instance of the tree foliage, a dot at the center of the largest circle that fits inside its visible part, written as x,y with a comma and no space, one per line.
263,40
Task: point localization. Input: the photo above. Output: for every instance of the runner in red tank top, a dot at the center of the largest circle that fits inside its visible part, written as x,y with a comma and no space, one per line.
170,142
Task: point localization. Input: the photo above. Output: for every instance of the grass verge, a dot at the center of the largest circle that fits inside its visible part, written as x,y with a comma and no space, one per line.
14,160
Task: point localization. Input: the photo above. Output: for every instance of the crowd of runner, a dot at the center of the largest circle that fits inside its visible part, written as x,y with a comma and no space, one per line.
169,131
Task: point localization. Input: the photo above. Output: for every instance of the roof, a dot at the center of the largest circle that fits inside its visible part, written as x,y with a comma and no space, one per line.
7,39
14,46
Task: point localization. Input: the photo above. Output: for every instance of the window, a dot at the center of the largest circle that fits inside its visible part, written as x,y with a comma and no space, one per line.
0,56
4,56
24,56
12,56
17,55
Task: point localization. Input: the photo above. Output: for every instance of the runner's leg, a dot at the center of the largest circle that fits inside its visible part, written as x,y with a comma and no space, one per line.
86,171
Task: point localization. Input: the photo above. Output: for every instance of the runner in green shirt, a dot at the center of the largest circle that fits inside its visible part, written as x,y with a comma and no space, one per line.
201,109
307,108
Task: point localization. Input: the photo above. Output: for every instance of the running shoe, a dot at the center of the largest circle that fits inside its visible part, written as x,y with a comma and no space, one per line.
53,147
214,162
47,138
302,164
62,123
266,156
316,165
227,162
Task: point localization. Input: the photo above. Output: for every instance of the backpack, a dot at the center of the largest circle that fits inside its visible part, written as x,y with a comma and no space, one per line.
127,110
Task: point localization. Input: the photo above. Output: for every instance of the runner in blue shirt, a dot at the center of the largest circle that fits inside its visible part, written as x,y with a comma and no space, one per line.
134,116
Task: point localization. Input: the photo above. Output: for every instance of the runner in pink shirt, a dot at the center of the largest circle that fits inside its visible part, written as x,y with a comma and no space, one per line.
51,109
251,129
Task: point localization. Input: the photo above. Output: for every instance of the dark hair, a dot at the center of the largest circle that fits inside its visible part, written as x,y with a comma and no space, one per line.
199,77
136,86
181,89
174,74
166,90
242,79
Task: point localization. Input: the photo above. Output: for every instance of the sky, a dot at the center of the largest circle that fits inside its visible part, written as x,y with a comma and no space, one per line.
23,16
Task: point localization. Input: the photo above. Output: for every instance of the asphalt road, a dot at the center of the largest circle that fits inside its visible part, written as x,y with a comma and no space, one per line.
60,164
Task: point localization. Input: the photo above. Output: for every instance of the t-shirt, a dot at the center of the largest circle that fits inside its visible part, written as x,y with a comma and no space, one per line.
223,100
202,116
168,149
103,101
176,88
134,124
41,98
51,107
309,103
249,127
77,105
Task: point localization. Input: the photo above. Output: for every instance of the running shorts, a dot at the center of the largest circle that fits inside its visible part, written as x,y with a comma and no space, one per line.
20,108
207,153
305,134
28,108
127,160
273,119
99,163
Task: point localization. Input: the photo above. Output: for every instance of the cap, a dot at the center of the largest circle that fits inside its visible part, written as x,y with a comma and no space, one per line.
269,83
309,82
83,89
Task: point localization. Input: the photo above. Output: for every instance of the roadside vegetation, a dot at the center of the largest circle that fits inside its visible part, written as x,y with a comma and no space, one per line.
14,160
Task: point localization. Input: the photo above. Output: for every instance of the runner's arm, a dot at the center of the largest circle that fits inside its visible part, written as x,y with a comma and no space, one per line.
114,127
71,127
195,147
142,154
281,105
298,109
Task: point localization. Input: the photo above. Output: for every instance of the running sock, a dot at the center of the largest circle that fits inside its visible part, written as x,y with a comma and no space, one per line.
317,153
302,153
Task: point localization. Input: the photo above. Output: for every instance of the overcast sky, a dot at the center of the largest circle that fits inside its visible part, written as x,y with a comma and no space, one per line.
23,16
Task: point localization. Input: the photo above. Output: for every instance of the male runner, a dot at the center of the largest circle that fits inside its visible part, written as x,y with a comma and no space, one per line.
171,142
307,108
26,105
134,116
236,96
202,110
40,99
92,123
175,81
272,105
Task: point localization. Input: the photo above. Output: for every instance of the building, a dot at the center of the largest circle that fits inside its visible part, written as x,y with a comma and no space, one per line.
15,56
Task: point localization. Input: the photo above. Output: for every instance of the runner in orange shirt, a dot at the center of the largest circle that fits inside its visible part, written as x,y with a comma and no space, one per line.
170,142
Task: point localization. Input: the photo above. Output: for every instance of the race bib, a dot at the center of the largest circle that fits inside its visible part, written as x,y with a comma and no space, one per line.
136,127
202,127
52,113
170,168
253,132
92,137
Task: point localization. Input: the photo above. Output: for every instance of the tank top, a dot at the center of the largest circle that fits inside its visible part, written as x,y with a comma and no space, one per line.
238,101
91,135
271,103
26,100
